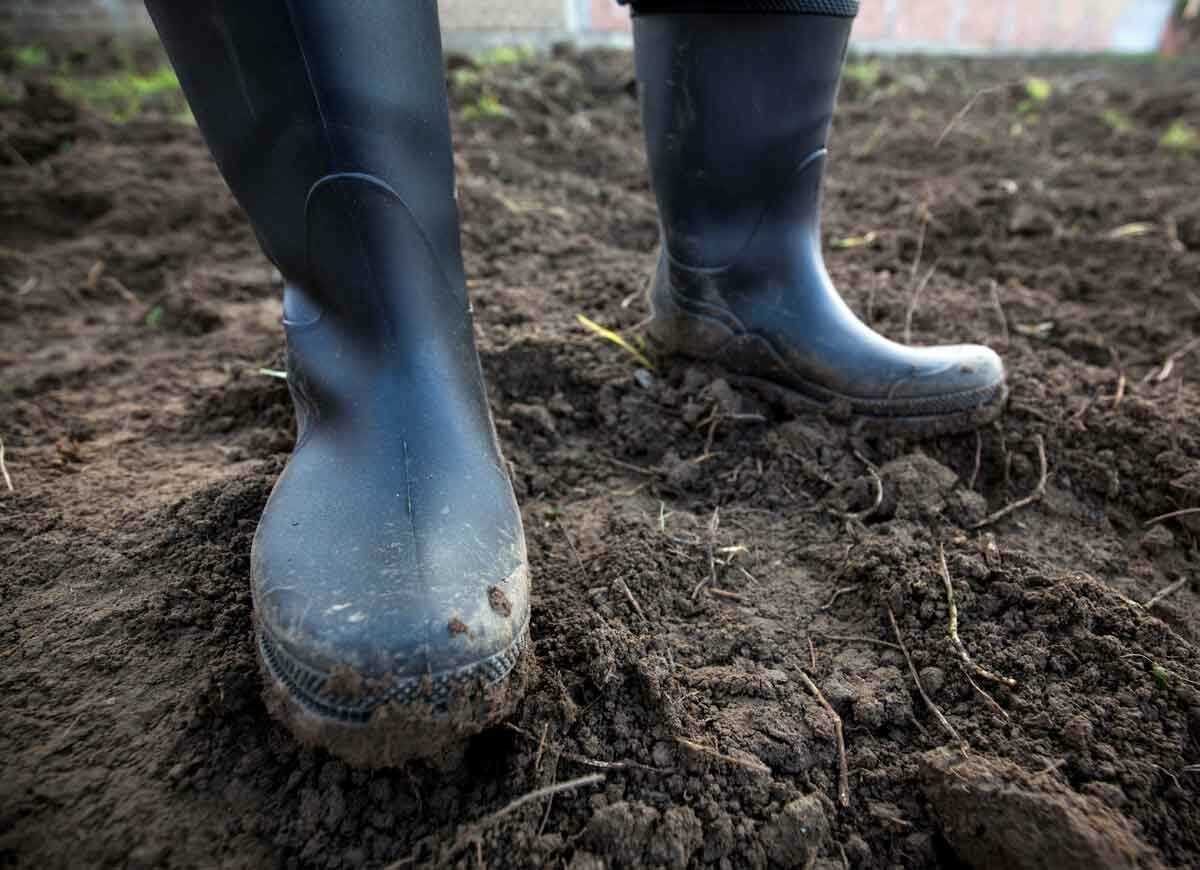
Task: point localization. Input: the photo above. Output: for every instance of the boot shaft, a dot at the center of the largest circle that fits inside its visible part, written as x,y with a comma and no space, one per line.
287,94
734,107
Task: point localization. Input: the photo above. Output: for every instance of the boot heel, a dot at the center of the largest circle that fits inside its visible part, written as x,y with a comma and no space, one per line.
677,330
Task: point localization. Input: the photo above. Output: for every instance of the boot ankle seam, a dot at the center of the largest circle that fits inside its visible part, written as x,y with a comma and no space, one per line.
773,201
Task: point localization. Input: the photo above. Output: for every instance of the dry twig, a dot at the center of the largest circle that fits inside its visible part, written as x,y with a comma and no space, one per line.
1039,491
1165,591
857,638
978,460
629,466
570,543
712,554
878,500
1161,374
1172,514
962,113
471,834
1050,768
843,767
988,699
537,794
545,815
912,669
755,765
838,593
628,593
952,606
1119,395
912,302
4,468
994,293
122,291
582,759
916,263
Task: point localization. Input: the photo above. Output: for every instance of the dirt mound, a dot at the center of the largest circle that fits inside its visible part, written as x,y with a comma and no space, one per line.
998,815
698,554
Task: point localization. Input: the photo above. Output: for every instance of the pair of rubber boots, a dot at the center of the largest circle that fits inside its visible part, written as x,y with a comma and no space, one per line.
390,580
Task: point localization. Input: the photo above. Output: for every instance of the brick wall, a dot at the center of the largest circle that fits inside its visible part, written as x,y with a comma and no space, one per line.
889,25
990,25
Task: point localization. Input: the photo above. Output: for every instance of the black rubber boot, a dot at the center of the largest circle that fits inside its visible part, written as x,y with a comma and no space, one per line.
736,107
390,585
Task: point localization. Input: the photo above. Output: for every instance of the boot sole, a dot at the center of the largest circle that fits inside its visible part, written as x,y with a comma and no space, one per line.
747,357
427,717
988,406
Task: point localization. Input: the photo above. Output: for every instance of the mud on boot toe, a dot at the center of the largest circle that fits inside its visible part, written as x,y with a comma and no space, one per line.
371,722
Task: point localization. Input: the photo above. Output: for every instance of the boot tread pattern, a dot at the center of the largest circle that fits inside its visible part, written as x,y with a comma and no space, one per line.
307,685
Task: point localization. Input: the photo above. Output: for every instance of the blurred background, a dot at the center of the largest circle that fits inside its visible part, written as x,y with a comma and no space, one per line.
960,26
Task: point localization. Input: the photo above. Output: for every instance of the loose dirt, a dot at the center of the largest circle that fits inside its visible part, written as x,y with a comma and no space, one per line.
695,550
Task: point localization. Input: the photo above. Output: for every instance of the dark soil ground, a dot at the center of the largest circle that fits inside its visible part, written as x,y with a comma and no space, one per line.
696,552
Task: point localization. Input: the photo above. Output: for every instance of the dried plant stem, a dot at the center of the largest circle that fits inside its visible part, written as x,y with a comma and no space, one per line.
912,669
952,606
1171,515
978,460
713,524
998,306
755,765
838,593
878,500
962,113
575,758
471,834
538,794
988,699
843,767
858,638
1165,591
913,300
628,593
4,468
1039,491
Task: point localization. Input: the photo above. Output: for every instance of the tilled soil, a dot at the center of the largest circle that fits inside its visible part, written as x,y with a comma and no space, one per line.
698,553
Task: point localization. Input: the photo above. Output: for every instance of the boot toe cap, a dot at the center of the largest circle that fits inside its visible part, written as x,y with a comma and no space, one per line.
362,604
956,373
348,650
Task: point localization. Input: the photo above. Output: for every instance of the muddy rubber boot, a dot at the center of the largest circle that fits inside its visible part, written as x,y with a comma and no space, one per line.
736,108
390,585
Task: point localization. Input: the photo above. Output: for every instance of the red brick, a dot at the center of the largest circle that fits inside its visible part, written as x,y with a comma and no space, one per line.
1031,25
609,16
1099,17
924,21
1069,27
982,24
872,22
